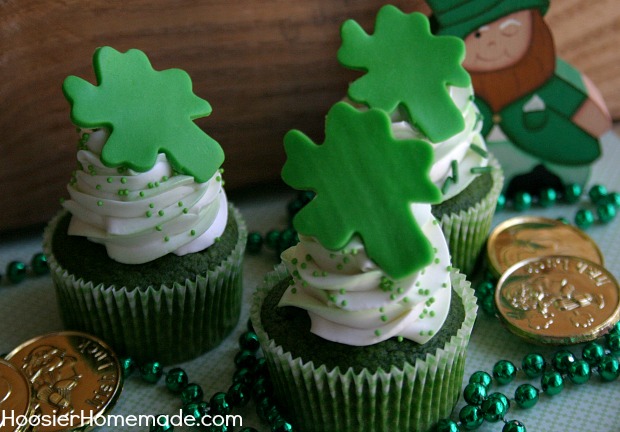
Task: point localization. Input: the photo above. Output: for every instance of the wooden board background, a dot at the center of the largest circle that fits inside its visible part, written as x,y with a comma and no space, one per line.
266,66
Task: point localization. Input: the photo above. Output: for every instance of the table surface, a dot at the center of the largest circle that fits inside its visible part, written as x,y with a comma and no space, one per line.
29,309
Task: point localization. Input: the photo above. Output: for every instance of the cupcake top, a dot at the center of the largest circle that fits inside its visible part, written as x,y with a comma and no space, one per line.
372,262
418,78
148,180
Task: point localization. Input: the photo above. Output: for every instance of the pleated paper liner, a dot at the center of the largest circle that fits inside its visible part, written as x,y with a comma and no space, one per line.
467,230
413,398
169,324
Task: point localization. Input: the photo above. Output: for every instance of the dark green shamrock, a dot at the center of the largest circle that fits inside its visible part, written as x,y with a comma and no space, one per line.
406,66
147,111
365,181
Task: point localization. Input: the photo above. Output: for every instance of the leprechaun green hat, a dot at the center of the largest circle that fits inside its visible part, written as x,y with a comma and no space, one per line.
461,17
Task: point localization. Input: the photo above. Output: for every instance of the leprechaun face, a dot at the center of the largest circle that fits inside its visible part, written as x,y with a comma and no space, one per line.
499,44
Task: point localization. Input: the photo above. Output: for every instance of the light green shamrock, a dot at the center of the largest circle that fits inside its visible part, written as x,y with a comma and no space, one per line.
406,66
365,181
147,111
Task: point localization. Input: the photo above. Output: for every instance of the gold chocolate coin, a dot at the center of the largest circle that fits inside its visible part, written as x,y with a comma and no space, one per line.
558,300
15,398
75,378
520,238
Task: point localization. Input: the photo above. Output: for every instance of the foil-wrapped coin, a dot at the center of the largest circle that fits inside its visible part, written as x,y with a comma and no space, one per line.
75,379
520,238
15,399
558,300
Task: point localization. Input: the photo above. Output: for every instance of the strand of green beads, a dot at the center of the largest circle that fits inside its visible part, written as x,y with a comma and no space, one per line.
603,205
598,357
279,240
17,271
250,381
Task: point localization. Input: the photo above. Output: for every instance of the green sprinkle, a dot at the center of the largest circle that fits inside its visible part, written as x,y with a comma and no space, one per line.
444,285
354,252
303,265
166,238
377,332
324,273
296,274
455,170
481,170
430,332
294,290
427,292
421,291
315,273
98,187
400,338
449,268
343,291
339,266
405,299
308,257
345,260
343,303
123,180
417,283
294,261
381,309
100,203
384,318
332,298
141,194
477,149
149,213
399,290
192,232
218,178
217,239
109,179
180,204
392,297
432,314
164,178
150,185
158,228
185,211
161,212
151,205
435,222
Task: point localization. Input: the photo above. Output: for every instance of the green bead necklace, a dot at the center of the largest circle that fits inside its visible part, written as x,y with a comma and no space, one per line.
16,271
280,240
597,358
250,381
603,205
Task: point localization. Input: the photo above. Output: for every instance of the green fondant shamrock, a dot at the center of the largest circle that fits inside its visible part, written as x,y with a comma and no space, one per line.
365,181
406,66
147,111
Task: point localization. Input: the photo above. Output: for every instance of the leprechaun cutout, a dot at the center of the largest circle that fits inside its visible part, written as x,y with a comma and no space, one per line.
542,118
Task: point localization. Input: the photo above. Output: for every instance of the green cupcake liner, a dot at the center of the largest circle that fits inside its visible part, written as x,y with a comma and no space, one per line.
467,230
413,398
169,324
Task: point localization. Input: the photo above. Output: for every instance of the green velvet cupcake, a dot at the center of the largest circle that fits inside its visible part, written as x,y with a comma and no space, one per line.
169,310
392,386
147,253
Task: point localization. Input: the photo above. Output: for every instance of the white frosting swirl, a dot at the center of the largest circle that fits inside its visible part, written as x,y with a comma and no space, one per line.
350,300
457,148
141,216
